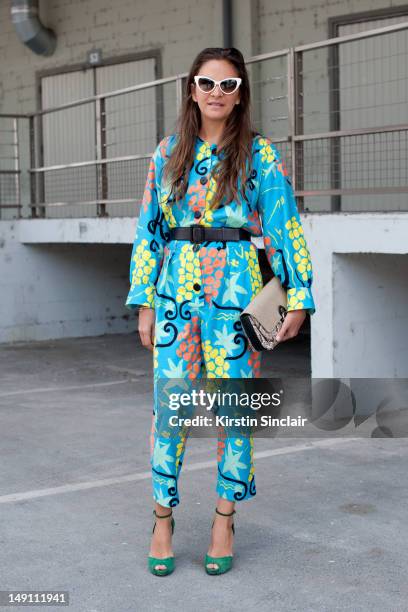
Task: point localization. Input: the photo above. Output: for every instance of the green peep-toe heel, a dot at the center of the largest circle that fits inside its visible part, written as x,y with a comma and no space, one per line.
224,563
167,561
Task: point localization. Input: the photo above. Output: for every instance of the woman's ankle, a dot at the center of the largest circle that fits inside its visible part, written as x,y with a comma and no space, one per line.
163,511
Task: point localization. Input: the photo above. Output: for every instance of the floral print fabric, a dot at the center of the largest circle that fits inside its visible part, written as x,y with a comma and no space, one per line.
198,300
199,291
271,211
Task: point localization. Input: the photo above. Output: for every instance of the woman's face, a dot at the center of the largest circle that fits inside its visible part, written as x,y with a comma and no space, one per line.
216,105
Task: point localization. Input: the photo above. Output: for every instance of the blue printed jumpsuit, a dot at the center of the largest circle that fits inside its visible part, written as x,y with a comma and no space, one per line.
199,291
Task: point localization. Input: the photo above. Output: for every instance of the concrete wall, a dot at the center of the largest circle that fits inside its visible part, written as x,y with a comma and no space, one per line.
360,264
370,324
61,290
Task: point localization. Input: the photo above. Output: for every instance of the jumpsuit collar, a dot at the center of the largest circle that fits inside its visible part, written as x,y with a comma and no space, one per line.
200,142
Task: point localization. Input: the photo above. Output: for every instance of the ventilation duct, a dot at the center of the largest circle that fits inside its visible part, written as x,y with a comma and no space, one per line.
30,30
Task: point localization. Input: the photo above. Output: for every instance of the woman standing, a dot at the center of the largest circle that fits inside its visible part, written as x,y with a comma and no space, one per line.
194,269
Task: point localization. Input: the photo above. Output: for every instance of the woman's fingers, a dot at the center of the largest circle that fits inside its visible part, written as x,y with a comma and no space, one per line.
284,330
146,327
146,340
291,325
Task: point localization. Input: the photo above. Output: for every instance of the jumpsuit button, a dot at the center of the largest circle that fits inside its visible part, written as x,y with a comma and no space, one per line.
196,287
203,180
197,214
196,247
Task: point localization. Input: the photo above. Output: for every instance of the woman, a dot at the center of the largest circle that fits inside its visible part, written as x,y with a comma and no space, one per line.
191,283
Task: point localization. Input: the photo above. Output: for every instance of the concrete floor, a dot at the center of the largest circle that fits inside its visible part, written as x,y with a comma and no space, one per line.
327,530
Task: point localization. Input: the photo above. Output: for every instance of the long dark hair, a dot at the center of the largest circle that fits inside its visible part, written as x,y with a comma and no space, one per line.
236,142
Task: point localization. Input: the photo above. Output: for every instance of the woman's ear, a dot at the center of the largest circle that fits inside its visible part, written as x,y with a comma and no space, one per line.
192,92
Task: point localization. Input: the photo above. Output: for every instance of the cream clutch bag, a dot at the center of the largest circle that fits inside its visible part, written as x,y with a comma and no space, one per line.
263,317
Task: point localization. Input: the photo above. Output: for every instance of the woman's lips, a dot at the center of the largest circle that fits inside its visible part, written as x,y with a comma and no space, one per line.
214,104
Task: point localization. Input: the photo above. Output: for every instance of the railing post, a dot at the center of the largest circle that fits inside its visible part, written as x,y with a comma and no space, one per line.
101,169
33,177
334,119
17,166
295,102
36,179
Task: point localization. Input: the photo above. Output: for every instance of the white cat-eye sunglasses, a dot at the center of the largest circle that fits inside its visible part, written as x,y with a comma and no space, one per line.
207,84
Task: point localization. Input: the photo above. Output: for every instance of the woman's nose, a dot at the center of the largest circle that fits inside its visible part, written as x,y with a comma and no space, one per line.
217,91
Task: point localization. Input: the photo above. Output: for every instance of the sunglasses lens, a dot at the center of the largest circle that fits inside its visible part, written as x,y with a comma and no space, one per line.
229,85
205,84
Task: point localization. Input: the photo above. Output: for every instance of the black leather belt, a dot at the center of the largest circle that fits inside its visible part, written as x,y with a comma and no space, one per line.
200,233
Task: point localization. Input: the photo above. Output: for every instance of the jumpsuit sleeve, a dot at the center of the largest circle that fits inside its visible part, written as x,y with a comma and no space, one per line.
151,237
285,245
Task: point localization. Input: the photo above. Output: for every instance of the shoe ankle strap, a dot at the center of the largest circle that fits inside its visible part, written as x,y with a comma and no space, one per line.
161,515
225,514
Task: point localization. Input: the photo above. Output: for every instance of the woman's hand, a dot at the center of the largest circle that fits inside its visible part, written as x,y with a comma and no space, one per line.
146,327
291,325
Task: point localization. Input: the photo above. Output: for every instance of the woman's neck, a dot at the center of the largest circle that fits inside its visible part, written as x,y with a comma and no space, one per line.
211,133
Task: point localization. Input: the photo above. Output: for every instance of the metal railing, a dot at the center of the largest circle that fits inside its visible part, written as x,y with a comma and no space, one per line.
336,109
10,172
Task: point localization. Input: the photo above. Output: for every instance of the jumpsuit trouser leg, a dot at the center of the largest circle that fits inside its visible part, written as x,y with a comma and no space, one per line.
198,299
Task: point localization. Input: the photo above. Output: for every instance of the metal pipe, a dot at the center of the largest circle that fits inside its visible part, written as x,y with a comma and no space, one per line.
227,23
30,30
